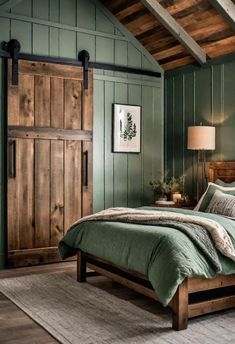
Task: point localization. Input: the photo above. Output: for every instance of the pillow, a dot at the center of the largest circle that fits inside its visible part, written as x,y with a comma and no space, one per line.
201,199
221,183
222,204
207,196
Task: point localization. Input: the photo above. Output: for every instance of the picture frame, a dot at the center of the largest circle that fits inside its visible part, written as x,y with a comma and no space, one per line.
126,135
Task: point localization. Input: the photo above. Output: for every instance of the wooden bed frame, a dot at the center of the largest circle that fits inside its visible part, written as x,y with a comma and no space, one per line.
195,296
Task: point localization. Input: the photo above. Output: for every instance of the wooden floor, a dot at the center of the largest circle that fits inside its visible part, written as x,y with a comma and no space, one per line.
17,328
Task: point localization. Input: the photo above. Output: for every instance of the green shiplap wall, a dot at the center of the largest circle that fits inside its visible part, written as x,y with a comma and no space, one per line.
195,95
63,28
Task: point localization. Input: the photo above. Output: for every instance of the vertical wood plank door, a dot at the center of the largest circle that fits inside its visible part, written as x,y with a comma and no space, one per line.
49,158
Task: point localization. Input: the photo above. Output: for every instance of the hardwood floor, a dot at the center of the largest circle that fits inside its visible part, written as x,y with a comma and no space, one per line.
17,328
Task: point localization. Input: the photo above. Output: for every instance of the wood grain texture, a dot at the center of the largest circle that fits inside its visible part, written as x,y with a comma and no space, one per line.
72,183
182,308
72,104
208,23
54,70
57,102
26,100
42,193
49,133
38,28
26,193
57,192
47,193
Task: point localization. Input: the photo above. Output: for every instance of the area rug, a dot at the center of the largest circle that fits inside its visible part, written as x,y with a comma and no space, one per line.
76,313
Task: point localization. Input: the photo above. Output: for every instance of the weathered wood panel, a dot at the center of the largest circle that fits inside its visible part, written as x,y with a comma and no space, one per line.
72,183
42,162
25,187
57,192
42,193
57,164
39,30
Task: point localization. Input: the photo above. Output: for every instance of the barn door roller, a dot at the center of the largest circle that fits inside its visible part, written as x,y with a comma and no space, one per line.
84,57
13,48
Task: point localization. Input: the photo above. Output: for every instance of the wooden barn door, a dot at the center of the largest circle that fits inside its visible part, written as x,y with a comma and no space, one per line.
49,159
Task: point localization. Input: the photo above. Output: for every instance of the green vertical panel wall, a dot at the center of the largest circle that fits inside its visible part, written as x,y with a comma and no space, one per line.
193,96
63,28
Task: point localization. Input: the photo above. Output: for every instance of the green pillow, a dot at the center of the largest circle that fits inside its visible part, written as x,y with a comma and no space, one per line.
210,193
221,183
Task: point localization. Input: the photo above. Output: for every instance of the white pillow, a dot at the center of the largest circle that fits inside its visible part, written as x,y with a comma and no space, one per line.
222,188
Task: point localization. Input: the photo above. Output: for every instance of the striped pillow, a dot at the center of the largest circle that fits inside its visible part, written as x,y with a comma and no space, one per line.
222,204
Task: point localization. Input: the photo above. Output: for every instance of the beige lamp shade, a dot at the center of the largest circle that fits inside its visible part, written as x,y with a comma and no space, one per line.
201,137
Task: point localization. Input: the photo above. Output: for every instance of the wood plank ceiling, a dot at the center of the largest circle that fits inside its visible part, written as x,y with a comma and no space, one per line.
202,21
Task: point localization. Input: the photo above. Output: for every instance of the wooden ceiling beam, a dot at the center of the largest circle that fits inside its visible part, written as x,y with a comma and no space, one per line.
8,4
178,63
169,52
222,47
128,10
227,9
175,29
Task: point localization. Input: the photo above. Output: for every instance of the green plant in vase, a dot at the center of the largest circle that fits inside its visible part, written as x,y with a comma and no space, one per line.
165,187
161,188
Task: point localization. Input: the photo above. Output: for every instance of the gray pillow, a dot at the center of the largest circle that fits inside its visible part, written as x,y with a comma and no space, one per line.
222,204
210,191
221,183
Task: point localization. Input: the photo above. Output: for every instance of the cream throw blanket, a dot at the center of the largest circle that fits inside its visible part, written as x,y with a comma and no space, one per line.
219,235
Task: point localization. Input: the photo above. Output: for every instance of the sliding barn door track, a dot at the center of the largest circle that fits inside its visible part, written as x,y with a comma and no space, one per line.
11,50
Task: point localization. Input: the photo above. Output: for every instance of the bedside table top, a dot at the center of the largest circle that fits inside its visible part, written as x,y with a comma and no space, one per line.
182,206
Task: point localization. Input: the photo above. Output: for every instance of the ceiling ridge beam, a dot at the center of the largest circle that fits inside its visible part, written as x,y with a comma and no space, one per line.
8,4
227,9
175,29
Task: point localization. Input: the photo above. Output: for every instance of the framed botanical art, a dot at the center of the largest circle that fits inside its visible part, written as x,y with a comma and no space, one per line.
126,128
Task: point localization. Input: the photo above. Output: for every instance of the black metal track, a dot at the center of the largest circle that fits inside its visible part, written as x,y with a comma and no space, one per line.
69,61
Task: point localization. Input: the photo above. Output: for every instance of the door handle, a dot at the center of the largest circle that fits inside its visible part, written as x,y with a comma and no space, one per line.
11,158
85,168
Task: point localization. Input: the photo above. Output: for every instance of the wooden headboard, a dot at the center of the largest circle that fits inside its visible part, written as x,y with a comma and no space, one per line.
222,170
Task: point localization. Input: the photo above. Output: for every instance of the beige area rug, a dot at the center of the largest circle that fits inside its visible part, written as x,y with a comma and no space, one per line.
76,313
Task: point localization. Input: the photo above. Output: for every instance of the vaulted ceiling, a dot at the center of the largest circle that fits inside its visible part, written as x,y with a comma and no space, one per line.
210,26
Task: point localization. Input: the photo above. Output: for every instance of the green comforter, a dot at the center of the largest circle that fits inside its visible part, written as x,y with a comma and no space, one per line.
164,254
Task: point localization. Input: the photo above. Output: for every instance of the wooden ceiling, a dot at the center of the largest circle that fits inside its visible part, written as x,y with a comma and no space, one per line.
202,21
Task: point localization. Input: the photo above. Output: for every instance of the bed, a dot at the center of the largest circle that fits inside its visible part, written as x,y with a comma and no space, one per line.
194,295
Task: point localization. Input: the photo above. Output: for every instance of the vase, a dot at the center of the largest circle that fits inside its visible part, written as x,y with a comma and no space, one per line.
161,198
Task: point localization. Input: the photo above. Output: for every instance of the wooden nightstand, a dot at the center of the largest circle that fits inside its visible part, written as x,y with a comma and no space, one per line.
181,206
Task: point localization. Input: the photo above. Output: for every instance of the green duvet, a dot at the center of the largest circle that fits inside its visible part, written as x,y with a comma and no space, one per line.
164,254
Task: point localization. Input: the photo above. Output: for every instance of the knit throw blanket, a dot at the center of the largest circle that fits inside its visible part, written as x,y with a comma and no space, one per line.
207,234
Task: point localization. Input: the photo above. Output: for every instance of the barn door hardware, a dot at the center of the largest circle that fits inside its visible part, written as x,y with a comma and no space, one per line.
84,57
85,168
12,158
13,48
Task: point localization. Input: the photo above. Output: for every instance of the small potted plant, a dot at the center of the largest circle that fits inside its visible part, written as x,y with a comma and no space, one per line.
161,188
165,188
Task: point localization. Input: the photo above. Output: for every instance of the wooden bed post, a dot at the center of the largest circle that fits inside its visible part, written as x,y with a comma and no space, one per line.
180,307
81,267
